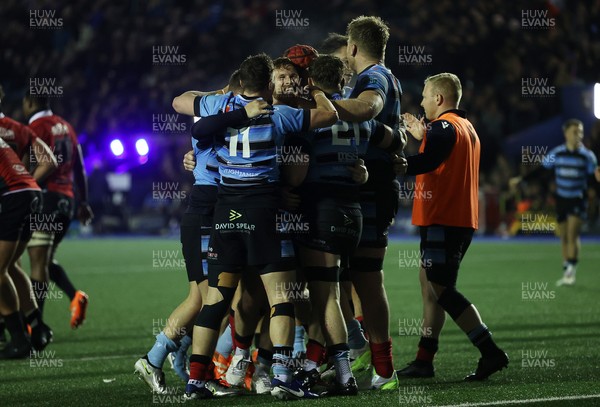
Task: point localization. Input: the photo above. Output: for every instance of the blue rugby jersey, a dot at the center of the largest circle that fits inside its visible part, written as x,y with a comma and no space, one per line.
206,171
381,80
248,155
571,169
334,149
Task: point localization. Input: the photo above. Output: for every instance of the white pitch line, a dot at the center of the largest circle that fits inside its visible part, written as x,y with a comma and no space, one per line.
91,358
506,402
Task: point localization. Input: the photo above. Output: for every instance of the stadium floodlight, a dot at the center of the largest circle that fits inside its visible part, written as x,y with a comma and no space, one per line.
141,146
116,147
597,100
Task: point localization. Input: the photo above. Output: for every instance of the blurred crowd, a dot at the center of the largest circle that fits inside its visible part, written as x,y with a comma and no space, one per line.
102,56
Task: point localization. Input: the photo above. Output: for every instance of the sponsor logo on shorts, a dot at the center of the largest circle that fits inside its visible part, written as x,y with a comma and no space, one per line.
233,215
347,220
211,255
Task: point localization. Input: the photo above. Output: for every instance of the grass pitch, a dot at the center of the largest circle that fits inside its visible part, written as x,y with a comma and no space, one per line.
550,333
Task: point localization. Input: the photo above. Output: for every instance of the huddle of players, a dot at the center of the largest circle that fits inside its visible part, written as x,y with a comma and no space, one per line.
244,138
348,213
39,165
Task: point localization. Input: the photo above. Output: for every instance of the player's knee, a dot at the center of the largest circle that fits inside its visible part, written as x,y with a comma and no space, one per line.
212,314
453,302
366,265
283,309
327,274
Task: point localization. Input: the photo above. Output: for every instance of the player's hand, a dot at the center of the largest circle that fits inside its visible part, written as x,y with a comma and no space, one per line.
189,161
257,108
414,126
400,165
85,214
597,174
289,200
360,175
312,88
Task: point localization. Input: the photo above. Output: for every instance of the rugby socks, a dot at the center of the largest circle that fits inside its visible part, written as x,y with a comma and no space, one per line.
381,357
299,345
356,337
427,349
39,289
481,337
16,327
232,323
185,343
225,343
339,357
199,370
282,360
315,355
242,345
59,276
161,349
264,360
571,266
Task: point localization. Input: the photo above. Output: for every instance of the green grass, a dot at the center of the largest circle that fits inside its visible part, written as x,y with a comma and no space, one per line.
128,296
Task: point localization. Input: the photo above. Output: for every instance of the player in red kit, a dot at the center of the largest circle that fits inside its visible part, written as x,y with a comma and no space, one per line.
19,196
42,163
58,208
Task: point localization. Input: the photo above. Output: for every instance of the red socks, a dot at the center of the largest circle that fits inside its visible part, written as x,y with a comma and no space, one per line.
381,357
316,352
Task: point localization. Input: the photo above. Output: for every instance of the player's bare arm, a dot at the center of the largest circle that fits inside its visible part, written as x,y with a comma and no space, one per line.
46,161
184,103
365,107
325,114
208,126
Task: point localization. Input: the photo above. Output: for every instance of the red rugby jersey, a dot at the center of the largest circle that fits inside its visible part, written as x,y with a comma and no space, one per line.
14,177
18,136
62,140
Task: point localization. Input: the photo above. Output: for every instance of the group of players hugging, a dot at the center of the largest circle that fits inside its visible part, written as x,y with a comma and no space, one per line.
286,229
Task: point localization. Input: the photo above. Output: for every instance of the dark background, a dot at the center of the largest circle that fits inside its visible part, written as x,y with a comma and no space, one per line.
102,56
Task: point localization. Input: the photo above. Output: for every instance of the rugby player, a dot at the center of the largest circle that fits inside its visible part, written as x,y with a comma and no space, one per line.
28,148
196,225
59,200
330,202
376,95
244,232
447,166
19,196
573,164
336,45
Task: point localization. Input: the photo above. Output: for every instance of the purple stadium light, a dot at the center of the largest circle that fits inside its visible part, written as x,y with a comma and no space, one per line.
141,146
117,147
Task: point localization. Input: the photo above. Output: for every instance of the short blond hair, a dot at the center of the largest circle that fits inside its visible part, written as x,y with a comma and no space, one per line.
371,34
447,84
